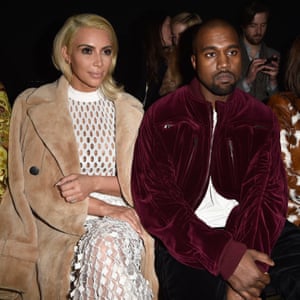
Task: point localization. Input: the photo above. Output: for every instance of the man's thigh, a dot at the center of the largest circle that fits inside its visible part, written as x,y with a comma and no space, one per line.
285,275
180,282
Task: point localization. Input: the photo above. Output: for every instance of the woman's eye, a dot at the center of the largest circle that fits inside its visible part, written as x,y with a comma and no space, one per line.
86,50
108,52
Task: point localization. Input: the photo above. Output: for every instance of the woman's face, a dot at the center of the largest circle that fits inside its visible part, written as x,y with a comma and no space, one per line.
166,33
177,30
90,57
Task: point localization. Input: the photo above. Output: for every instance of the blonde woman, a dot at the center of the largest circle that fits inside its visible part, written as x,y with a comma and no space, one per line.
70,228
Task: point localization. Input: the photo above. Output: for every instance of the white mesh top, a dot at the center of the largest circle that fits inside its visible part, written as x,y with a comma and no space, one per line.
94,125
107,257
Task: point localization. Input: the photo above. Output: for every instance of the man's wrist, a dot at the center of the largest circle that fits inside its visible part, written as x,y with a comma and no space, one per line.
246,86
272,86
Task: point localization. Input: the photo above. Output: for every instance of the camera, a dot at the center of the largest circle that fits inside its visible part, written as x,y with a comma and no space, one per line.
271,59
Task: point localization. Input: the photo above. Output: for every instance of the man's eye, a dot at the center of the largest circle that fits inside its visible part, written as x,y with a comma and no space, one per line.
233,53
210,54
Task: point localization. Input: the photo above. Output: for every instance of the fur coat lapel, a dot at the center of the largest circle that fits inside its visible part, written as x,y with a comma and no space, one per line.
128,117
129,113
55,103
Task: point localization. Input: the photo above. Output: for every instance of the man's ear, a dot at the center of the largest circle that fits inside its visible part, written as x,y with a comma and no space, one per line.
193,61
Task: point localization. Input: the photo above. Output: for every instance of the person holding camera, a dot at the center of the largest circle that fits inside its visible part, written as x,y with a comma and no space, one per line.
260,63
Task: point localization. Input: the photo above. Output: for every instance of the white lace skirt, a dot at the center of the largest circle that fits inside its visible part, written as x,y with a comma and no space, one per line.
107,263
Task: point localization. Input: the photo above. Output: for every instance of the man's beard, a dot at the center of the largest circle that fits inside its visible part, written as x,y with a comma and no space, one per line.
254,41
220,91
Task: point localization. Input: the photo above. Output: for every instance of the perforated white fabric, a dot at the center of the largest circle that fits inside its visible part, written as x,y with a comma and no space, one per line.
94,126
107,258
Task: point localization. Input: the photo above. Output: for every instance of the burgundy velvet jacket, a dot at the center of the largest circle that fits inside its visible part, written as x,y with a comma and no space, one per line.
174,159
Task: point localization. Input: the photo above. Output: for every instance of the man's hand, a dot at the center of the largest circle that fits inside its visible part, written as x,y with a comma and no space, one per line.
256,66
248,280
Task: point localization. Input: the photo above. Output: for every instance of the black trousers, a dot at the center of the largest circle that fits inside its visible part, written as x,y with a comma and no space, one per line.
180,282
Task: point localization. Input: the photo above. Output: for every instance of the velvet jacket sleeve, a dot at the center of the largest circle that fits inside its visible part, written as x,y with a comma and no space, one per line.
261,214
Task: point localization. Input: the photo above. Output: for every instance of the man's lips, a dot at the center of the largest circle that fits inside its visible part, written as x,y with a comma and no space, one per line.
225,77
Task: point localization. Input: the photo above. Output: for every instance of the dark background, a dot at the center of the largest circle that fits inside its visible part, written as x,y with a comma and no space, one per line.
28,28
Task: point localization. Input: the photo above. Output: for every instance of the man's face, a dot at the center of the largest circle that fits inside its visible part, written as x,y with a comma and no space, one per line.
256,30
217,60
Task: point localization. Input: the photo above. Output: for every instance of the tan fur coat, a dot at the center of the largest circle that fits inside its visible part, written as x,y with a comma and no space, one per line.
38,229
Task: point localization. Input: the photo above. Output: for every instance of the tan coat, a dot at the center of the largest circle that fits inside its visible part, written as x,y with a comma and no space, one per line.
38,229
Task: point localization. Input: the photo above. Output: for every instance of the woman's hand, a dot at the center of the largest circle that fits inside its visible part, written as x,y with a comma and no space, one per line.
128,215
124,213
75,187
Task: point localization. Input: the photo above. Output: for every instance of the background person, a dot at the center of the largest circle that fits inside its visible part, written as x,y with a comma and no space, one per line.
286,106
150,46
259,75
179,58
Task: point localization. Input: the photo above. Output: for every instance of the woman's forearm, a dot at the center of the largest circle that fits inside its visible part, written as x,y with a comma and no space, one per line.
107,185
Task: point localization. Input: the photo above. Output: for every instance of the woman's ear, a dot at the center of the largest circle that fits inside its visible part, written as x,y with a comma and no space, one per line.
66,56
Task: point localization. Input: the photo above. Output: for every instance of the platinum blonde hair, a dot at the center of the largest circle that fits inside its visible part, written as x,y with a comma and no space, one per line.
65,36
